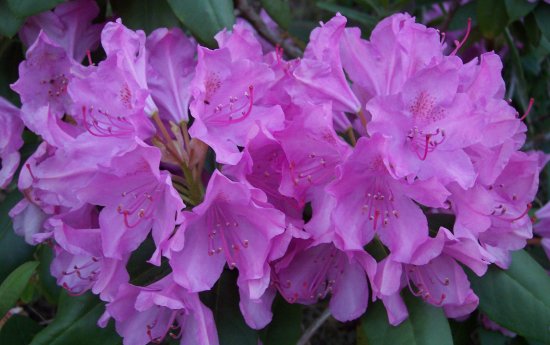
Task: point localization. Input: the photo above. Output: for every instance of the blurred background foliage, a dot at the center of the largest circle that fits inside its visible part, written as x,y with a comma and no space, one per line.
519,299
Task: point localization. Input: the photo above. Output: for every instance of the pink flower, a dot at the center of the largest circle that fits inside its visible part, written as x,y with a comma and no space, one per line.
28,220
321,68
309,272
435,277
79,264
129,48
261,165
43,81
233,224
170,69
11,129
110,104
398,48
370,199
69,25
497,214
137,197
313,150
227,90
150,314
430,125
542,227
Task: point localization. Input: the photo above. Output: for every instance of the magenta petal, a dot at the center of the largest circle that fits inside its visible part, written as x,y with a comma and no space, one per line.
170,69
396,309
193,268
351,293
69,26
11,129
257,312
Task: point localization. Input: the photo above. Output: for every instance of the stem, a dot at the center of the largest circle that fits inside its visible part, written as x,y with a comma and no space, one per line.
186,140
178,179
534,241
310,331
522,87
256,21
362,118
450,14
169,144
351,136
195,194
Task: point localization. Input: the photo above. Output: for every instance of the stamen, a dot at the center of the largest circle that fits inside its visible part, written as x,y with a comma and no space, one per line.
102,124
424,143
441,299
223,236
459,44
278,53
443,35
136,206
531,102
529,206
28,166
72,293
227,117
89,55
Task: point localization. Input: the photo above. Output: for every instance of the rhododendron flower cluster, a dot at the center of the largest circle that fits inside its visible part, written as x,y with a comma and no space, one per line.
367,138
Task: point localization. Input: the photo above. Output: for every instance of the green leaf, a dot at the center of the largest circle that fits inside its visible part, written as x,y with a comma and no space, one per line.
204,18
350,13
492,338
9,23
462,330
285,328
279,11
532,29
12,287
25,8
426,325
146,15
373,5
14,251
542,13
517,298
143,273
460,18
75,323
19,330
47,283
517,9
521,91
232,329
491,17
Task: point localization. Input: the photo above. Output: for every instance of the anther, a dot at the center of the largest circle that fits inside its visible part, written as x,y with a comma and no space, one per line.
531,102
459,44
529,206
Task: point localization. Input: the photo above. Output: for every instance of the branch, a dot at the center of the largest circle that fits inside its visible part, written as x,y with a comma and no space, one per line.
450,14
310,331
256,21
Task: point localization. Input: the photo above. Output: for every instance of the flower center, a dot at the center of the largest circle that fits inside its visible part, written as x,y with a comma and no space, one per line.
172,326
422,143
137,205
427,282
102,124
57,85
223,236
328,264
82,276
237,109
378,203
424,111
